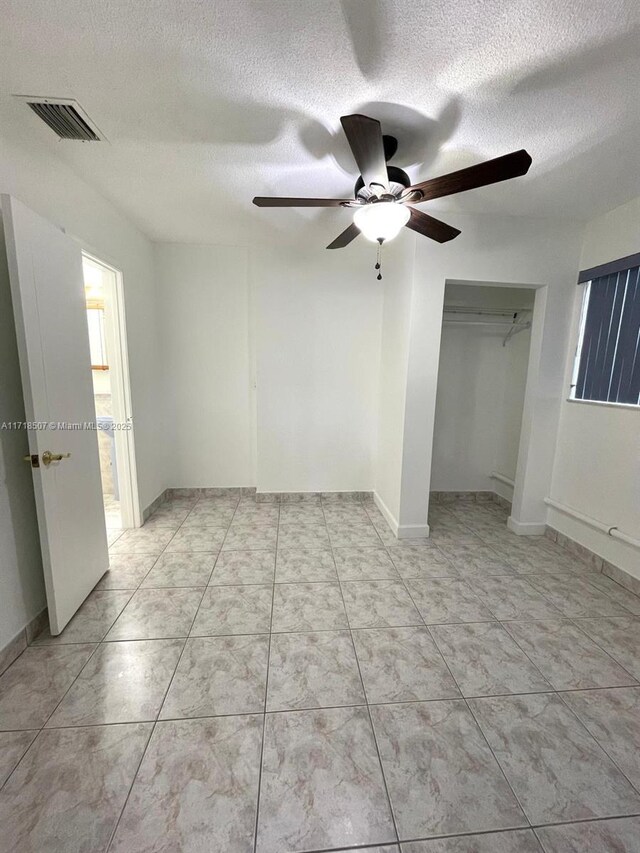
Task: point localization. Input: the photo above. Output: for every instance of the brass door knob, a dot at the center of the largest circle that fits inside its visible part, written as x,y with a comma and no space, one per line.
48,457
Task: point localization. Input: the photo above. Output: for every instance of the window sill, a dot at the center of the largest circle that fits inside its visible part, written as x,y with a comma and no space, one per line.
602,403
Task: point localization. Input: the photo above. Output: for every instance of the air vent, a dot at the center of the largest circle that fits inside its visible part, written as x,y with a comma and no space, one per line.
65,117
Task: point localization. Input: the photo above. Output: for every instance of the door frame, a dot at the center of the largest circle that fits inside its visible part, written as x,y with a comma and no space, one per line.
524,470
116,333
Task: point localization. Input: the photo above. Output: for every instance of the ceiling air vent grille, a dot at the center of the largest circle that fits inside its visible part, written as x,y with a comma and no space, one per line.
65,118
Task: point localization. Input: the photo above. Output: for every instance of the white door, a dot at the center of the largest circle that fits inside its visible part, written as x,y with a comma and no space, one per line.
45,270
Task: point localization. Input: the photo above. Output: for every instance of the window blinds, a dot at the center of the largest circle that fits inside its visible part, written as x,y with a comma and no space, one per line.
609,360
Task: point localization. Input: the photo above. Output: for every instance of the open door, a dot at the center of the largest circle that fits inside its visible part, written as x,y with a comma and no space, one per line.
45,270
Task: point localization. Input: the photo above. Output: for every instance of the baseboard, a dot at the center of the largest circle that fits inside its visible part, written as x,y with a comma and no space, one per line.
526,528
37,625
413,531
202,492
262,497
461,497
12,650
502,485
400,531
482,497
586,539
520,528
389,517
502,502
328,497
628,581
600,564
153,506
22,639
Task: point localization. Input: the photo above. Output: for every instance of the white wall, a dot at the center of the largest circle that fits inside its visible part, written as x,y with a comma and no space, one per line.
597,466
317,318
481,386
517,361
612,236
521,252
478,407
471,377
203,294
29,172
394,362
271,356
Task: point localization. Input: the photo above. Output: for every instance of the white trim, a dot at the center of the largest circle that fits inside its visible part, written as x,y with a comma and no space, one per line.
495,475
580,337
525,528
401,531
413,531
503,486
115,327
388,515
635,406
608,529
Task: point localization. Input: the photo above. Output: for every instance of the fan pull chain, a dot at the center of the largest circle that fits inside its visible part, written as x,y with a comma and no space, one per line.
379,260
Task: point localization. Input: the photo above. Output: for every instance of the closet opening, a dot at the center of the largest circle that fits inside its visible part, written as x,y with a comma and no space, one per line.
482,377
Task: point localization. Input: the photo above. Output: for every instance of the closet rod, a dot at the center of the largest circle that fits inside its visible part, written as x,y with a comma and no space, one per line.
484,312
480,323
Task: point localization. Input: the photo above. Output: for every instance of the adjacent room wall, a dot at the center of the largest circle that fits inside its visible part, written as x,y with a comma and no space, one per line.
597,465
29,172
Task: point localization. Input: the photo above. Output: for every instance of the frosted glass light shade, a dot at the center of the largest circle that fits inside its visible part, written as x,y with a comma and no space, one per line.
381,220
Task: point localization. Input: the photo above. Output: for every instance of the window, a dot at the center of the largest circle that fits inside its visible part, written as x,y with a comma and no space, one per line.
97,343
607,367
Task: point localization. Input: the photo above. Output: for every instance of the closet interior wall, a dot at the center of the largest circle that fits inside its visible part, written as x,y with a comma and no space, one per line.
481,385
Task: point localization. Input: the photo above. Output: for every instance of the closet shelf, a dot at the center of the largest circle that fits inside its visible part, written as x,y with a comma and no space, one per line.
511,318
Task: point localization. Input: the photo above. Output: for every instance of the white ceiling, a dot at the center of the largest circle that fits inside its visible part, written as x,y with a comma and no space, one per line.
208,102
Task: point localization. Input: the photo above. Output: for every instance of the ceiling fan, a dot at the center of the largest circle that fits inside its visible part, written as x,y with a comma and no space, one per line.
384,197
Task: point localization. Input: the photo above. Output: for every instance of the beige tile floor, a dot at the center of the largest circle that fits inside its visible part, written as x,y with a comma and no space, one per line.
112,511
287,678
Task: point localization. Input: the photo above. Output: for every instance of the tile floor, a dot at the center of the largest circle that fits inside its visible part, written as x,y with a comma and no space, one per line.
112,514
287,677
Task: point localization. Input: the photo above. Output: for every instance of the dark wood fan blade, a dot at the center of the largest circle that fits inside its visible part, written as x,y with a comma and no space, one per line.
364,135
430,227
491,172
262,201
345,238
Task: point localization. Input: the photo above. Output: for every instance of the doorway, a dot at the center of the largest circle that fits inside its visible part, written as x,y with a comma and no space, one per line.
111,392
484,360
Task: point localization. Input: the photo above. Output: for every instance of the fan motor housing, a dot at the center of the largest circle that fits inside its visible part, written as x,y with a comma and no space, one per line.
398,182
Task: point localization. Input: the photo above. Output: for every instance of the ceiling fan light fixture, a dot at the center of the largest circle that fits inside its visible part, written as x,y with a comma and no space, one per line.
381,191
381,220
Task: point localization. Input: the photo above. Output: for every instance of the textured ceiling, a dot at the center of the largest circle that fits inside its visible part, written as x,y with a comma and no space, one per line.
208,102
